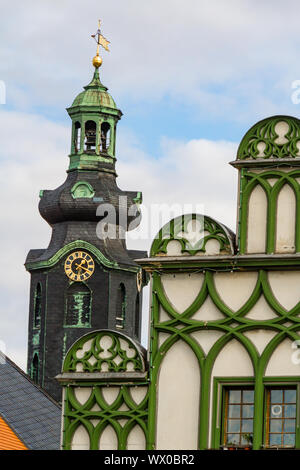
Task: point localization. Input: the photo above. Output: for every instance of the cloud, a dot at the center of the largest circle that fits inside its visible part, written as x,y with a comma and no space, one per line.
192,172
33,157
234,59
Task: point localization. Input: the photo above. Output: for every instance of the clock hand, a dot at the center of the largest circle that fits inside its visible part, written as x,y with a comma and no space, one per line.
81,267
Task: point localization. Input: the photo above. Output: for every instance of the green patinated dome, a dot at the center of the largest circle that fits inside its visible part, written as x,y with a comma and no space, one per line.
95,94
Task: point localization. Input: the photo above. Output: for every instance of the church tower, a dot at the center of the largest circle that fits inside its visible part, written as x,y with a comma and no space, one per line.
86,279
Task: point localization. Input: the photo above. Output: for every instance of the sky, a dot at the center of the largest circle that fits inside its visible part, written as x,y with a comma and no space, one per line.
190,78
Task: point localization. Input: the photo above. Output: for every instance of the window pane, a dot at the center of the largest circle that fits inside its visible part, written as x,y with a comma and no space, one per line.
247,439
248,396
275,439
282,417
289,425
234,411
235,396
290,411
239,412
290,396
233,439
276,411
289,439
276,425
247,425
276,396
234,425
247,411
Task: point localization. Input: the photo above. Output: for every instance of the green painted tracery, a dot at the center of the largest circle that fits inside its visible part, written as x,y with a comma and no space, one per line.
121,352
97,410
286,324
177,229
124,413
264,133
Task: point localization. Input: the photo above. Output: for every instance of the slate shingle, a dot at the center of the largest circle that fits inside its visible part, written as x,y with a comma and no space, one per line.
28,409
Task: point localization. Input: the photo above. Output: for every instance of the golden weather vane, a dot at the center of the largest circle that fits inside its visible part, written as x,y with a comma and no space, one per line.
101,41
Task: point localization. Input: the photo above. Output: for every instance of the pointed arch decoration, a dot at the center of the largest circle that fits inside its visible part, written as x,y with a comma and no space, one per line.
250,180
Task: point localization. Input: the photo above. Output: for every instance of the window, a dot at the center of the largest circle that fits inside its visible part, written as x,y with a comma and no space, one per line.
238,416
90,136
35,369
105,137
281,417
78,308
137,315
77,136
121,307
37,306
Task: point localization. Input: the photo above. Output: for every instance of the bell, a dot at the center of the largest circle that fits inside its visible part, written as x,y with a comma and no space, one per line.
90,140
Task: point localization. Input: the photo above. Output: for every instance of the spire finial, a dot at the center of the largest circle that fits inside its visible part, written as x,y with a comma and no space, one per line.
101,41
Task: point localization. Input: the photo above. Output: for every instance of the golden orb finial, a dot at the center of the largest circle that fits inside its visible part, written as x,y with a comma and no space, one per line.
101,41
97,61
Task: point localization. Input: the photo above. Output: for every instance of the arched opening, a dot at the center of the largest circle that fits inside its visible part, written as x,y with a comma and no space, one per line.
90,136
35,368
78,305
137,316
37,306
77,136
105,137
121,307
285,220
257,220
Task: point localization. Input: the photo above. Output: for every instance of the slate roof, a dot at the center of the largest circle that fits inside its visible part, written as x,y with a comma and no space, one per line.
30,412
8,439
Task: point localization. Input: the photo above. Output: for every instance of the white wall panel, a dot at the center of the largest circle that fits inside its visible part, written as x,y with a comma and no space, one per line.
182,289
281,362
136,439
260,338
233,360
261,311
235,288
206,338
80,440
178,399
108,439
285,287
82,394
208,311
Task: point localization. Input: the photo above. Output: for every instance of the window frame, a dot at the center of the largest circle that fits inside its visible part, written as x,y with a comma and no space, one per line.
66,306
281,383
218,410
218,404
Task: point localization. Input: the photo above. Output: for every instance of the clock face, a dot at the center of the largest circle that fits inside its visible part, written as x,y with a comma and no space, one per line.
79,266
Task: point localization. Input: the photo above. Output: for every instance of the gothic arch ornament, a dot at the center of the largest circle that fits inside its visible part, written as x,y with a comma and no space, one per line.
104,351
264,139
204,229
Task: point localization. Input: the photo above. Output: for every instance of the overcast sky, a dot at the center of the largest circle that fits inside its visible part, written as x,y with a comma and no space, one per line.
190,78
